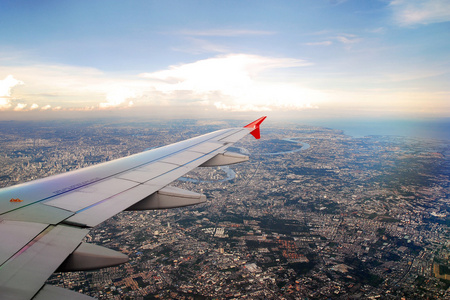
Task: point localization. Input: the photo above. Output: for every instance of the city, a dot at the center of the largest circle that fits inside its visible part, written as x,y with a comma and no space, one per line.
314,214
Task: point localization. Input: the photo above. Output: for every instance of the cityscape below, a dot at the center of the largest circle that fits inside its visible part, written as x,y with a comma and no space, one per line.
314,213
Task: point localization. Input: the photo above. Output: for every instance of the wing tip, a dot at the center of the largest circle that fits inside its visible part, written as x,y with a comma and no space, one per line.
254,127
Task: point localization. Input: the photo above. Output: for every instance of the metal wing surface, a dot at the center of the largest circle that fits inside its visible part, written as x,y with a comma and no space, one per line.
43,222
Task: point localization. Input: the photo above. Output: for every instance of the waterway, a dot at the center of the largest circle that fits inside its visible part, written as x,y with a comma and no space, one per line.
230,174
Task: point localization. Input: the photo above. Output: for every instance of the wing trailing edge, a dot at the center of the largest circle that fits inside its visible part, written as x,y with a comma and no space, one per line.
226,158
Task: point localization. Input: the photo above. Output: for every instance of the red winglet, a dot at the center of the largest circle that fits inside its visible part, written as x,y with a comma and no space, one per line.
255,126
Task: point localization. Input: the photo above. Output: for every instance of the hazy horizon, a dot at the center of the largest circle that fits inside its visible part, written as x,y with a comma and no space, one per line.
430,128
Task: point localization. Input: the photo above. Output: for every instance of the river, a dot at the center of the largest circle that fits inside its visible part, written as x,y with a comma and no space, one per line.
230,174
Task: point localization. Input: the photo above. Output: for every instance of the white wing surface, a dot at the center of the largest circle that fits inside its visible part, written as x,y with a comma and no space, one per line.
43,222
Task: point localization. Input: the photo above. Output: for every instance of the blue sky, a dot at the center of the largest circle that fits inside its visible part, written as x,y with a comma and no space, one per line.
216,58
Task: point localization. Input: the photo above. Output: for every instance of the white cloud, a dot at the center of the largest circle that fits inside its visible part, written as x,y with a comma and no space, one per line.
20,106
70,87
6,86
234,82
34,106
118,97
348,38
378,30
324,43
217,72
225,32
337,2
411,12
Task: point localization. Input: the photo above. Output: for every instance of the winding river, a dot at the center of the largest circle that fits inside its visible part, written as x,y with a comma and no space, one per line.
230,174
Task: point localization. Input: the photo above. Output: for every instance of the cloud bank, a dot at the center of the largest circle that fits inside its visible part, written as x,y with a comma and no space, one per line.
236,82
225,83
412,12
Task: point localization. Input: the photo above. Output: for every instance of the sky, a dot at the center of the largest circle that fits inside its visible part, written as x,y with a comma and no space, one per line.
321,58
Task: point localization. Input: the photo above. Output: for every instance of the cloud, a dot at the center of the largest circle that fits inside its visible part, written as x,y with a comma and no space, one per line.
6,85
337,2
324,43
199,46
398,101
412,12
225,32
234,82
20,106
118,98
69,88
4,103
378,30
348,38
238,82
411,74
216,72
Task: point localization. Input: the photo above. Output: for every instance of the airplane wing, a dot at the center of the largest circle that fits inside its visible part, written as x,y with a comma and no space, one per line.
43,222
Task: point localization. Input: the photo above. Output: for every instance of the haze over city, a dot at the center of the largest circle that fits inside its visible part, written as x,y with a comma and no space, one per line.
315,59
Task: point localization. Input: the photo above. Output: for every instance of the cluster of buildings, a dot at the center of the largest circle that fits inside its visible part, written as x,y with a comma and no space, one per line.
343,218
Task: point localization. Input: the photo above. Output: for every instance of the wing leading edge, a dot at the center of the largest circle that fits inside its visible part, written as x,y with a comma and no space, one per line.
43,222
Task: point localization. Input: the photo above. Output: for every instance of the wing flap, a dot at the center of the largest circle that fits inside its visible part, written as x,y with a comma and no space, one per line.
94,193
183,157
15,235
26,272
103,210
38,213
168,177
206,147
148,172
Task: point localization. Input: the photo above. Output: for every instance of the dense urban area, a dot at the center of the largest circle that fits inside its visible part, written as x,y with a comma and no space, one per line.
314,213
